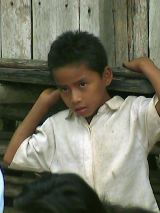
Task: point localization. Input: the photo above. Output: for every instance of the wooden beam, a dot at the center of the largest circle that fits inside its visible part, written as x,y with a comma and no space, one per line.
121,81
23,63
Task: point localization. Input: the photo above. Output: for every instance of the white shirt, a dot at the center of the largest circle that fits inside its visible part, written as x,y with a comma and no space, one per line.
1,192
110,153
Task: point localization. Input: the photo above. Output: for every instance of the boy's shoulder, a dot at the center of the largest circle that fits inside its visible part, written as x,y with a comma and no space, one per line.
61,115
131,101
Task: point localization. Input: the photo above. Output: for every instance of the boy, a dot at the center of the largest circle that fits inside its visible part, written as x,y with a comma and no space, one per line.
105,140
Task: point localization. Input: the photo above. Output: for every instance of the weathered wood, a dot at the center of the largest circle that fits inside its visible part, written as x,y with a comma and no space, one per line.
14,111
14,94
138,28
16,29
154,31
120,31
90,16
139,86
23,63
32,76
19,111
51,18
107,34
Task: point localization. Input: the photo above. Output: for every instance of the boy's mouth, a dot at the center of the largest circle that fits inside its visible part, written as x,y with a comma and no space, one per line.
80,110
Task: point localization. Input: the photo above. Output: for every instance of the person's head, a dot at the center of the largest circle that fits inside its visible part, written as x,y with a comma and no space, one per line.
59,193
78,64
65,193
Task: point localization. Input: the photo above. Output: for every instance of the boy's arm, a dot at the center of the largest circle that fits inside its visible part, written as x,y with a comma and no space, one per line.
149,69
47,99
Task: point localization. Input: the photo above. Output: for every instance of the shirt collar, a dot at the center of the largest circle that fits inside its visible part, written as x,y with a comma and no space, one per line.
113,103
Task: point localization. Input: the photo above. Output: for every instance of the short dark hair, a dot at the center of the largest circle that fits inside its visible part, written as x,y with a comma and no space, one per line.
74,47
59,193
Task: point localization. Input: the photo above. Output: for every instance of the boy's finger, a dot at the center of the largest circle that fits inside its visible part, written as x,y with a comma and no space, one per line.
125,63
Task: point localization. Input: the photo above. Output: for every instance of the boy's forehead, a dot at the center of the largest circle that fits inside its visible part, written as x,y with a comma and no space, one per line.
72,73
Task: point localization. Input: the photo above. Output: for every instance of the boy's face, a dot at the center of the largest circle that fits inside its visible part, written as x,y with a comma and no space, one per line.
81,89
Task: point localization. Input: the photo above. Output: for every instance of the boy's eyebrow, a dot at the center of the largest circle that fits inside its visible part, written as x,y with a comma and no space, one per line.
76,82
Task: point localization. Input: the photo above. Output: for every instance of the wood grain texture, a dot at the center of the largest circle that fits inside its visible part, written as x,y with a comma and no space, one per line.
90,16
154,31
50,19
107,30
120,30
16,29
138,28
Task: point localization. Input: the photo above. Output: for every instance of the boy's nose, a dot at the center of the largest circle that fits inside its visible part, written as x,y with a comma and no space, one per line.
76,96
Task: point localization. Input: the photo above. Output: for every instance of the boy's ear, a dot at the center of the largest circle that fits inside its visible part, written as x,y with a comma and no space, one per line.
107,75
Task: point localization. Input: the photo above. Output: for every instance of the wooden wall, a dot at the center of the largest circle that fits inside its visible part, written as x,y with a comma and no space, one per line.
127,28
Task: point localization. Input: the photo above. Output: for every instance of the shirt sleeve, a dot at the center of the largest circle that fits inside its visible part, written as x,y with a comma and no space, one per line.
36,152
150,120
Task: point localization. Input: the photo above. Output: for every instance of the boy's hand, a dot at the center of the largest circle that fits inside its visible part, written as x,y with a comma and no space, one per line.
49,97
148,68
139,64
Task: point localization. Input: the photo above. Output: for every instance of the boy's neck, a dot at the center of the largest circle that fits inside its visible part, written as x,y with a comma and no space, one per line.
89,119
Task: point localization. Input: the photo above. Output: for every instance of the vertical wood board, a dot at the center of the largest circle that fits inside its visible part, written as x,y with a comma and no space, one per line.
107,29
16,28
90,16
120,30
50,19
154,31
140,27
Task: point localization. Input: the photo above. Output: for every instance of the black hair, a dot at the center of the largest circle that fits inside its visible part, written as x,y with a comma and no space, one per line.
59,193
65,193
74,47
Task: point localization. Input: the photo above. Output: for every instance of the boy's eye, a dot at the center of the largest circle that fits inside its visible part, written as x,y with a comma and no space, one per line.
82,84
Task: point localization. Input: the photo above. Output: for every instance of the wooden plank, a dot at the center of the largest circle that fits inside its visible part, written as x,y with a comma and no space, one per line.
51,18
18,93
14,111
138,25
16,29
42,77
120,28
90,16
19,111
107,35
121,82
32,76
139,86
154,31
23,63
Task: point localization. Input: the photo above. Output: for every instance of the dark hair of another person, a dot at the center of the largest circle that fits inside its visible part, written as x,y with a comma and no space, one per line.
59,193
74,47
65,193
